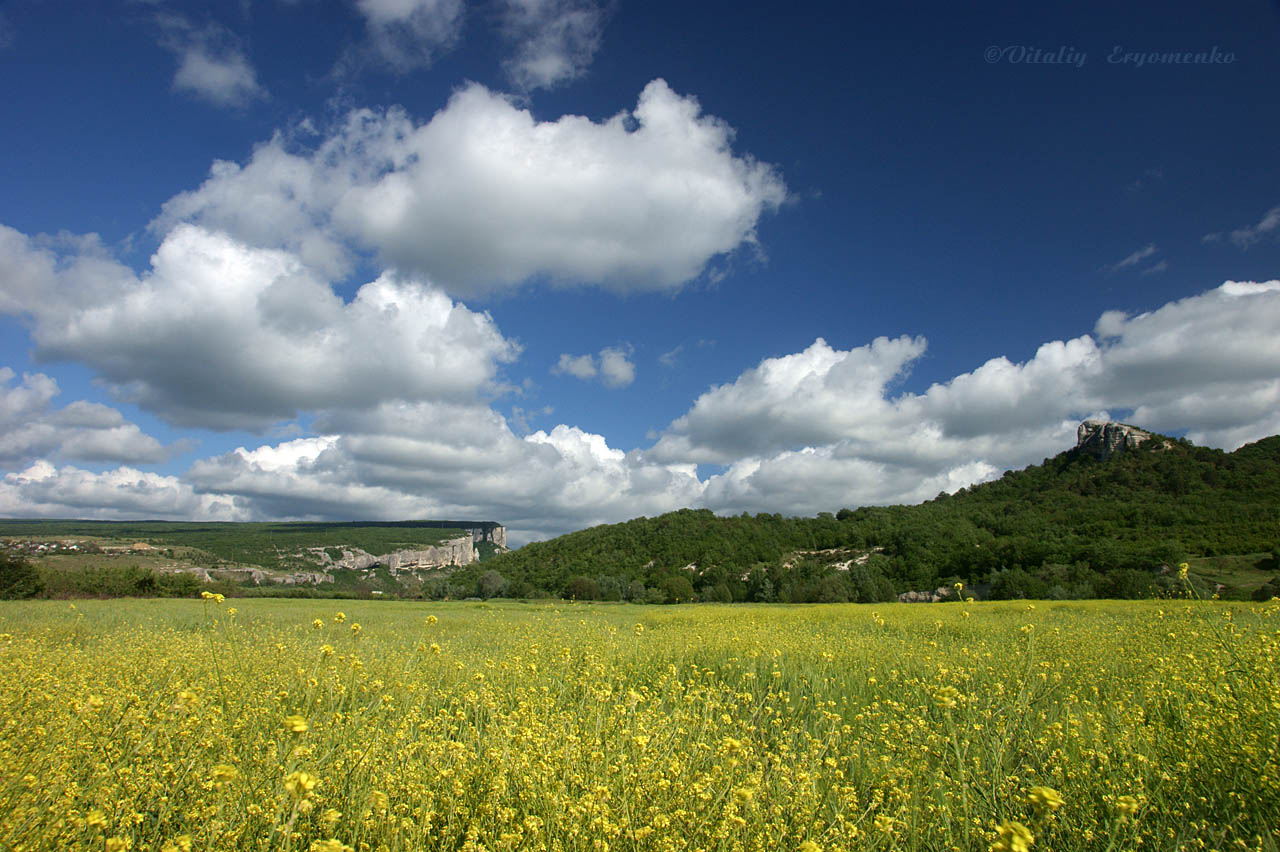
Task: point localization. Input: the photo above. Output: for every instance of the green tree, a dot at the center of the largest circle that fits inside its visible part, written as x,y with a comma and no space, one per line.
1129,584
582,588
832,589
719,593
611,588
676,588
18,578
1017,583
491,585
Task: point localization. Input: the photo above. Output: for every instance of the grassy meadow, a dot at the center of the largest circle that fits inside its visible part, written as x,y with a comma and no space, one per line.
325,725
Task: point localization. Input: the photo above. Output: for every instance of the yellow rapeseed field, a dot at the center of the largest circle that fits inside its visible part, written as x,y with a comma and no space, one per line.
318,726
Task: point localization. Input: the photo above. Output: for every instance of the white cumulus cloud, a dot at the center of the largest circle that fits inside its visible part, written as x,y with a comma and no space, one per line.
413,460
613,366
801,433
46,491
221,335
823,428
30,428
811,397
579,366
616,368
484,197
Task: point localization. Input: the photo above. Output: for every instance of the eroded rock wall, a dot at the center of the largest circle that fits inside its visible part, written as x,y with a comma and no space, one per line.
1103,440
454,551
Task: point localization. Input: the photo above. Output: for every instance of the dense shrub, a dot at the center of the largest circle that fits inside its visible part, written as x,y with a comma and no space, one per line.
18,578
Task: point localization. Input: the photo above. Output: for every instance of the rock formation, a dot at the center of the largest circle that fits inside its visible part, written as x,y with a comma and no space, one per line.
1103,440
942,593
454,551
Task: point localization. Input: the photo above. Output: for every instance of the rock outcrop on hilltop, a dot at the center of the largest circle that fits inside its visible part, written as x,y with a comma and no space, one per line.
1104,440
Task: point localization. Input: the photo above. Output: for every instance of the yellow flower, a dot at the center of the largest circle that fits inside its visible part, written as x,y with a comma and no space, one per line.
224,773
96,819
1183,568
435,649
330,817
300,783
1014,837
340,617
329,845
639,629
809,846
884,823
1045,798
118,844
355,627
378,801
431,619
1127,806
744,795
318,624
295,724
946,697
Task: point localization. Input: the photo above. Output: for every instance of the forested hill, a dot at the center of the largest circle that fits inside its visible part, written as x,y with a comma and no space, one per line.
1073,526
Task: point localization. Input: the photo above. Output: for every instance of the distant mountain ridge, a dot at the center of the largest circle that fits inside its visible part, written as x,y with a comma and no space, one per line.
1098,519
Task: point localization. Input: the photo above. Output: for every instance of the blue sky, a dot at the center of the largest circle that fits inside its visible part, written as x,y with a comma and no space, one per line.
559,262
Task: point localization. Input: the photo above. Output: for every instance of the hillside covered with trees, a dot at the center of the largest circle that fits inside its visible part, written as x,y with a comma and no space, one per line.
1071,527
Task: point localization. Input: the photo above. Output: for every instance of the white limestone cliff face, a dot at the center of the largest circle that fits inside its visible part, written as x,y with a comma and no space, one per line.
498,535
450,552
1103,440
454,551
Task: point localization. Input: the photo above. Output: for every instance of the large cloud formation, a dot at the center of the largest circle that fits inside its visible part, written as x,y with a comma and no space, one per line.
31,429
221,335
811,431
398,435
45,491
485,197
819,428
438,460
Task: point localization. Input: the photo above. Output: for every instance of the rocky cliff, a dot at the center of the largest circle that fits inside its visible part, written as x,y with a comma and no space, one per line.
450,552
1103,440
454,551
